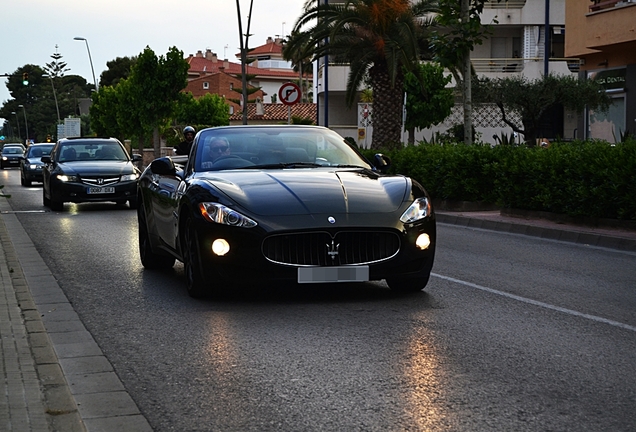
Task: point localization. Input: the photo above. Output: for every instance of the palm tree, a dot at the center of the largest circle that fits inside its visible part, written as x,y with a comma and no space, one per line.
299,53
376,38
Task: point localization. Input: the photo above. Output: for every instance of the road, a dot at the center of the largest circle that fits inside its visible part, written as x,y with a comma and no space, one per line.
512,333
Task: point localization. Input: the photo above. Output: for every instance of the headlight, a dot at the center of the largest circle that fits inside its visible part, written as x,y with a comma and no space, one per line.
221,214
33,166
67,178
129,177
4,158
420,209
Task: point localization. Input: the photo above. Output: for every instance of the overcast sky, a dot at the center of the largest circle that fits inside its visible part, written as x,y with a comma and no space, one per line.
119,28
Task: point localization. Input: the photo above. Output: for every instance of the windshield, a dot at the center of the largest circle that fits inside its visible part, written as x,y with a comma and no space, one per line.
39,151
12,150
271,148
71,152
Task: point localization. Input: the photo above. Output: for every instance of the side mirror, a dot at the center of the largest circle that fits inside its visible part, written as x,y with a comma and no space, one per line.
163,166
381,162
46,159
137,157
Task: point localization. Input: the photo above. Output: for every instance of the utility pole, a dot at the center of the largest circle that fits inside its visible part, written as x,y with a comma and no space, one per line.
468,100
244,48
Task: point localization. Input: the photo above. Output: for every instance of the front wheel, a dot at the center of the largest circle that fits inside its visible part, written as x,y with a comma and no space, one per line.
149,259
195,281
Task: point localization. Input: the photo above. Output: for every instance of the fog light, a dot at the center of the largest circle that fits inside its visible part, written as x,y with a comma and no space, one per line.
220,247
423,241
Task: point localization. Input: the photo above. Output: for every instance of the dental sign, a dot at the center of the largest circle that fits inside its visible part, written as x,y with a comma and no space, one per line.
613,79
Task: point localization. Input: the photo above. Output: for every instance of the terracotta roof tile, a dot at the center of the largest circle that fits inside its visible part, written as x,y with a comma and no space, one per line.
276,112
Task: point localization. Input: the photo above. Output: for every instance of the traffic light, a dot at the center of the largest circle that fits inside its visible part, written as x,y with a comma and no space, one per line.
25,78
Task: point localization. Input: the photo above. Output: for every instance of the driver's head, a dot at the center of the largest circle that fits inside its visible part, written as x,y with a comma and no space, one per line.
217,148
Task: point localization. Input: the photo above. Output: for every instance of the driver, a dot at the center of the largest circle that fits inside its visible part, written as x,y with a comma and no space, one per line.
215,149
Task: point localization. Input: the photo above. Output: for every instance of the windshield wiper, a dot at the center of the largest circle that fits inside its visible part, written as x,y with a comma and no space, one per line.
349,166
285,165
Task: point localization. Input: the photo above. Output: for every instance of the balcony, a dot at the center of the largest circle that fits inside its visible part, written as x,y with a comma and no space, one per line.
498,66
600,5
511,4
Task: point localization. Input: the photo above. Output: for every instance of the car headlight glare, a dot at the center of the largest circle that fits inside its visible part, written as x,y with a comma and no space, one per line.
420,209
220,247
129,177
67,178
221,214
33,166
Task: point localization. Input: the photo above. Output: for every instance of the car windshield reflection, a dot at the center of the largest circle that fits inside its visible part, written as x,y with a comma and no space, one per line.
269,148
91,152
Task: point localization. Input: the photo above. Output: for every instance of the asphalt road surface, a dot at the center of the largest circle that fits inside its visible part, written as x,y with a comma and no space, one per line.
513,333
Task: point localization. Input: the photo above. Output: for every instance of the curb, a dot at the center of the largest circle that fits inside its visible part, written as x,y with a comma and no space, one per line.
565,234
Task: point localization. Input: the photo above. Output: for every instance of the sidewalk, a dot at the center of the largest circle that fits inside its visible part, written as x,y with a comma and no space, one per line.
54,375
56,378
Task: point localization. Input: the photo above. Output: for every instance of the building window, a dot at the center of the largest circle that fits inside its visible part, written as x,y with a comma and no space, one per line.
231,86
206,85
231,110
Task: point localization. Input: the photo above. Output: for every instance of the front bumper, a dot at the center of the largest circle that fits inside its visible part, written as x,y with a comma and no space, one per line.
79,192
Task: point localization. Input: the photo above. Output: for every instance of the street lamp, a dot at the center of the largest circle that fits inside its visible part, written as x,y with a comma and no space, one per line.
54,96
26,125
89,58
18,122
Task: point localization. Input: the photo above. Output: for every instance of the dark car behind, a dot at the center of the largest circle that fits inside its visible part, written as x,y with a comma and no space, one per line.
31,165
89,170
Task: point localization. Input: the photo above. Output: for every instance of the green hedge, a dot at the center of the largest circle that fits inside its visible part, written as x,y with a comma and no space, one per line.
581,178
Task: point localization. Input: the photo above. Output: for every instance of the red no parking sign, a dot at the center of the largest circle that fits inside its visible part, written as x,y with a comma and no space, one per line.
289,94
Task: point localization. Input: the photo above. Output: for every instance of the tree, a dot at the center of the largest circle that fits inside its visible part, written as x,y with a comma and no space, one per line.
208,110
118,69
298,50
428,101
376,38
39,101
57,67
459,31
153,88
532,98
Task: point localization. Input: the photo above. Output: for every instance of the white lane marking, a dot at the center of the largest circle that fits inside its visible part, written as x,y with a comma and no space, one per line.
538,303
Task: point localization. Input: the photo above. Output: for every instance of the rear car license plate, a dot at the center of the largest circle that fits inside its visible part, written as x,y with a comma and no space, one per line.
333,274
100,190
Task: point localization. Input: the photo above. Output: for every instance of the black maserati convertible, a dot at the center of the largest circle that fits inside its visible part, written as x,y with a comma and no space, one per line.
283,203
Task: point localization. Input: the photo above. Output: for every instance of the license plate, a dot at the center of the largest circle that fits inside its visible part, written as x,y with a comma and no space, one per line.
333,274
102,190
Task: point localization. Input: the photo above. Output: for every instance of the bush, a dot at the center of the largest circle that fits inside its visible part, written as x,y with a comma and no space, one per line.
581,178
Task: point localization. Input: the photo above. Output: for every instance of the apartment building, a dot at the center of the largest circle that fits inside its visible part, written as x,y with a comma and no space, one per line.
515,46
602,33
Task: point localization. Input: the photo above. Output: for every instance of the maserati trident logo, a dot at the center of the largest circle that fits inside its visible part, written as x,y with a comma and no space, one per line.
332,249
331,220
100,181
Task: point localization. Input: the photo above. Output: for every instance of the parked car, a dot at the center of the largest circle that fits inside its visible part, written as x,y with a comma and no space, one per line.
89,170
11,156
283,203
31,164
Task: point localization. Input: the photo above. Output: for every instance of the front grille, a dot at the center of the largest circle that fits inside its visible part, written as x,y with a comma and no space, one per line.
322,249
95,181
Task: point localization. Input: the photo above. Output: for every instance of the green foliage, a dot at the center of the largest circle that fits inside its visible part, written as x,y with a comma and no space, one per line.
301,120
532,98
378,39
582,178
428,101
118,69
209,110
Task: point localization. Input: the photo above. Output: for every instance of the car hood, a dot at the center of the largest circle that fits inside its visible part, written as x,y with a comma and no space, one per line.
311,191
97,168
34,161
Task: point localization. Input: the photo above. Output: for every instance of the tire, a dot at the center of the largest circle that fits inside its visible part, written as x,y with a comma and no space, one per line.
195,281
45,201
407,285
55,204
149,259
